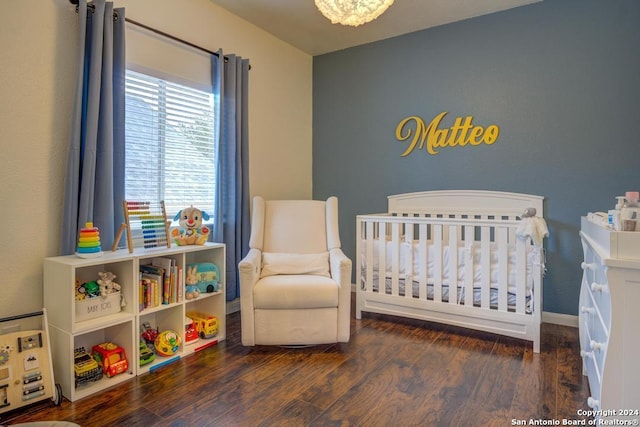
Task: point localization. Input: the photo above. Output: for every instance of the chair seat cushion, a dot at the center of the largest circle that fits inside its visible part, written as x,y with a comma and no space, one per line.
294,291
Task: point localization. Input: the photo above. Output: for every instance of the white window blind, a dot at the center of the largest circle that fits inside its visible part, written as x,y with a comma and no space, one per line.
170,144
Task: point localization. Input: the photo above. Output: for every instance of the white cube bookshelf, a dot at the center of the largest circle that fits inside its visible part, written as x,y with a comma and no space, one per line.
68,331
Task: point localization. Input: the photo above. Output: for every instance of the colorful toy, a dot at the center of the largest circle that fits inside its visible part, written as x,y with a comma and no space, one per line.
146,225
190,332
111,357
85,368
167,343
191,231
91,289
80,291
149,334
207,275
206,325
89,242
146,354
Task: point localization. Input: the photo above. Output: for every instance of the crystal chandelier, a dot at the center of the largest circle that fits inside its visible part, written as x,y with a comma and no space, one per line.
352,12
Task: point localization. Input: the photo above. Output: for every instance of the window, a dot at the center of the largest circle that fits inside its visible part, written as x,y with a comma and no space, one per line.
170,144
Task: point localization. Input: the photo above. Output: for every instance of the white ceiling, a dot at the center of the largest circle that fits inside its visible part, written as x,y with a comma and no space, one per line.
299,23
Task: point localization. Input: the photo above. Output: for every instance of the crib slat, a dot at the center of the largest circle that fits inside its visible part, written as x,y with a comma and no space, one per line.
395,257
424,259
485,265
469,266
521,275
437,262
408,269
368,259
382,257
453,264
502,240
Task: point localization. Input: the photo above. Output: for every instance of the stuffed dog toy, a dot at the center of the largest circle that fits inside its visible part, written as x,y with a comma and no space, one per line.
191,231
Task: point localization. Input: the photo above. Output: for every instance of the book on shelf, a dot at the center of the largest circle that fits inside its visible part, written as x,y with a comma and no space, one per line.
165,275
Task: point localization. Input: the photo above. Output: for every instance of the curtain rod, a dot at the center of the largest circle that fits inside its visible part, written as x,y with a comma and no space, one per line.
163,34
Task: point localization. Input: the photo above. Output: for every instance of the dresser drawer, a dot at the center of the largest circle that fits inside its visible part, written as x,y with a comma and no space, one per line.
595,379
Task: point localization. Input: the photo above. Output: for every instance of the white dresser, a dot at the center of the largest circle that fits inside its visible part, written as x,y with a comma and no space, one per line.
609,315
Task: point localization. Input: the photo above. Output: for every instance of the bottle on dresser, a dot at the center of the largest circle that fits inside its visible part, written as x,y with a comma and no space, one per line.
626,215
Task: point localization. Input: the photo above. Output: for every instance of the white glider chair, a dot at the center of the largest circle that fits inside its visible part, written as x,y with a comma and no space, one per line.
295,282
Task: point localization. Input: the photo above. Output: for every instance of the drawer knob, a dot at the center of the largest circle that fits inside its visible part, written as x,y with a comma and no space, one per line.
584,353
596,287
596,345
593,403
589,310
588,266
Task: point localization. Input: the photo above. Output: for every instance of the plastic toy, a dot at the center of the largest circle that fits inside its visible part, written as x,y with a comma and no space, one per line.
190,332
191,283
80,291
85,367
89,242
206,325
167,343
91,289
146,354
111,357
208,276
149,334
191,231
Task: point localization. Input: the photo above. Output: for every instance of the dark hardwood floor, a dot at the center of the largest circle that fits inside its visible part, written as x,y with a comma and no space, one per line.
393,372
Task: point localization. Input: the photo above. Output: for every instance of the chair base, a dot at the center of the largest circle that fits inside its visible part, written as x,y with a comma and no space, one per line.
296,327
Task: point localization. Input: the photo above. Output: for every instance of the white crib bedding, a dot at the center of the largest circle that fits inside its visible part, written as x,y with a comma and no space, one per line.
409,267
477,294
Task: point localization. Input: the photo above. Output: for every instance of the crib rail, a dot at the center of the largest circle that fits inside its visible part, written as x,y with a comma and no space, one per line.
407,256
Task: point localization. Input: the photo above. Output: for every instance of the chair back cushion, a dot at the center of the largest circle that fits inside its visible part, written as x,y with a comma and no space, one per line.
295,226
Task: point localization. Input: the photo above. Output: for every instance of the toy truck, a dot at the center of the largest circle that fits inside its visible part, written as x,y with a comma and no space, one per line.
111,357
206,325
85,367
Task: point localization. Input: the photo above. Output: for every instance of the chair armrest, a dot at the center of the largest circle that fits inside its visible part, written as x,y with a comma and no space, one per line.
249,268
341,272
251,265
340,267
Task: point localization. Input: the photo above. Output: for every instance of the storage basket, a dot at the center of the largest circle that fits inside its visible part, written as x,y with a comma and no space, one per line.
90,308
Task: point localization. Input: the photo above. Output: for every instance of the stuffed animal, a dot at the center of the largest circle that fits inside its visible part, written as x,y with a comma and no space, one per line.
191,231
191,282
107,284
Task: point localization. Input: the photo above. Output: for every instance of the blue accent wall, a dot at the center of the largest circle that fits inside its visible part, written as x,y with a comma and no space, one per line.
561,78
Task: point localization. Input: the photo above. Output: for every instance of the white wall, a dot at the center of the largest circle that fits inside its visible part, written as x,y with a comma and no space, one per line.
36,97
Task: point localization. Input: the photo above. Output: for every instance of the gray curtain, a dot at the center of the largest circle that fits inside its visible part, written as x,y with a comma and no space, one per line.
231,210
94,186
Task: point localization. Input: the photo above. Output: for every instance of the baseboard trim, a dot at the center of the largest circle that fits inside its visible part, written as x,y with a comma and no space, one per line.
560,319
233,306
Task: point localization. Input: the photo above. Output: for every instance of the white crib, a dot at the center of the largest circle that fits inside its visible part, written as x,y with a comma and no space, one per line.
407,258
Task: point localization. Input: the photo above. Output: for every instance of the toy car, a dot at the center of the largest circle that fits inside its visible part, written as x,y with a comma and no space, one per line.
86,369
149,334
206,325
208,276
112,358
190,332
146,354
